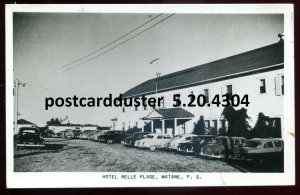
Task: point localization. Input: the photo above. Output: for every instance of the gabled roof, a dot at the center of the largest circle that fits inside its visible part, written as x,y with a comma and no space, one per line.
24,122
170,113
262,59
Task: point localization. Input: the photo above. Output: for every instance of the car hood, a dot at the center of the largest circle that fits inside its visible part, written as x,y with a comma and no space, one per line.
213,147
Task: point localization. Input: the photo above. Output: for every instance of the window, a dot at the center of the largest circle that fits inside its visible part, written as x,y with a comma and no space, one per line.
270,144
188,138
207,124
236,142
162,102
262,88
215,124
229,90
279,85
145,107
223,125
123,126
136,108
206,93
282,85
159,137
123,109
277,143
167,137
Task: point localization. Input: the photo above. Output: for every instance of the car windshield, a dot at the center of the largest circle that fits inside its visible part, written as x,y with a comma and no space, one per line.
251,144
31,131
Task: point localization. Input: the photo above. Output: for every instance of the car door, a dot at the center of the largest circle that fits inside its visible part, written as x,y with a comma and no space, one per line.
166,138
159,140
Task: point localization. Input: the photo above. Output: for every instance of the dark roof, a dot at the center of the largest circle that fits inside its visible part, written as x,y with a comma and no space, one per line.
169,113
260,58
24,122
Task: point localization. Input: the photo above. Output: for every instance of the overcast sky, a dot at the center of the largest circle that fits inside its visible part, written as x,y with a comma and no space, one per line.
44,43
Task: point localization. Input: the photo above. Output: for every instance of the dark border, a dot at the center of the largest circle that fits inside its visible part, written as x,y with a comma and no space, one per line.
182,190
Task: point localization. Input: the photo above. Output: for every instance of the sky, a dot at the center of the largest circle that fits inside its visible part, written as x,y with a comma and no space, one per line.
46,43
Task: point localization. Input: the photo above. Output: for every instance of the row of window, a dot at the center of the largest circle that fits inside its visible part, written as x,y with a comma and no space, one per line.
279,90
279,85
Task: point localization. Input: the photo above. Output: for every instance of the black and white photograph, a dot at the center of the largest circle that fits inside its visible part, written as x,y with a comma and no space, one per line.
149,95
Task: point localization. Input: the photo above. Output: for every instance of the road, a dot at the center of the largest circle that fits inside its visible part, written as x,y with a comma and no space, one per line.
61,155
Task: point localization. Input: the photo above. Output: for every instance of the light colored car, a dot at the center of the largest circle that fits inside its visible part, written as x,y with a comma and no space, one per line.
94,137
153,141
260,148
173,143
91,134
85,134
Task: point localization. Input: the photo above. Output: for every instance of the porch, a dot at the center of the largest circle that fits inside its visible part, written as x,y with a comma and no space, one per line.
167,120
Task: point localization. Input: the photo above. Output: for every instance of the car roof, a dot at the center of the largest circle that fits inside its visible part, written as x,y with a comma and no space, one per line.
24,128
265,139
238,137
159,134
186,135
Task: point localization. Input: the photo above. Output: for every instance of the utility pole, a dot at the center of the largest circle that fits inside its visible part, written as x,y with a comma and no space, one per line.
16,93
157,76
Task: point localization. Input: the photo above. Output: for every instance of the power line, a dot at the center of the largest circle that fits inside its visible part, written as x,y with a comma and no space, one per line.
110,48
50,89
105,46
113,41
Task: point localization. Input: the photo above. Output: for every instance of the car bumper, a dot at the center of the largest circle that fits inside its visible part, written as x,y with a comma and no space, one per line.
31,145
211,156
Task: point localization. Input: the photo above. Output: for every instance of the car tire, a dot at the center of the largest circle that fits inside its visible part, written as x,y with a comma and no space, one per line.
152,148
109,141
68,137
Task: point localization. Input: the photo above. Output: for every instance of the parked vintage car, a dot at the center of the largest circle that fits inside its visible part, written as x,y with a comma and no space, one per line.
112,136
132,138
91,134
72,133
173,143
153,141
29,137
259,148
222,147
95,135
195,144
85,134
60,134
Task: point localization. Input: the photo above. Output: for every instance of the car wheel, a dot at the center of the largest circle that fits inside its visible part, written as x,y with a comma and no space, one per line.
109,141
68,137
152,148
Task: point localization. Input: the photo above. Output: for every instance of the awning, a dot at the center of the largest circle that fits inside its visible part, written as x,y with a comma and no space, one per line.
168,113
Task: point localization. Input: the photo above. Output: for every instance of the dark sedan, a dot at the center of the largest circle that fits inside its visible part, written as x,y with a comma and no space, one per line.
29,137
195,144
112,136
131,139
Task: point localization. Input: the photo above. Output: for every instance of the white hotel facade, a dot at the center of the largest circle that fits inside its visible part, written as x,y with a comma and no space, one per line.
258,73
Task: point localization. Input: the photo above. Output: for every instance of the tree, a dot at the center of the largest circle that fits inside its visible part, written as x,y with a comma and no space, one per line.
134,129
199,128
238,121
53,122
265,128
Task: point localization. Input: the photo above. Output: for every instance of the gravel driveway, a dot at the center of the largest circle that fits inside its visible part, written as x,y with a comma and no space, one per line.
89,156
